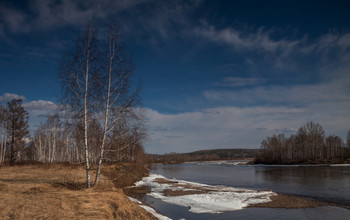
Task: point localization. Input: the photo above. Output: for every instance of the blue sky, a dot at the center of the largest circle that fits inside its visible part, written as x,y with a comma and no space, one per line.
215,74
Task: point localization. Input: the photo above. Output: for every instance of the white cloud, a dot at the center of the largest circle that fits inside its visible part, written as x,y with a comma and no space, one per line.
9,96
39,108
235,127
38,112
40,105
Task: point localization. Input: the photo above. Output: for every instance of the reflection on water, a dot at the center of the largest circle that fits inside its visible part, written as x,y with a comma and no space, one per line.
320,182
325,183
319,213
303,173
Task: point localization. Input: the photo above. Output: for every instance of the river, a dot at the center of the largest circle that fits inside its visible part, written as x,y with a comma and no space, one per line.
325,183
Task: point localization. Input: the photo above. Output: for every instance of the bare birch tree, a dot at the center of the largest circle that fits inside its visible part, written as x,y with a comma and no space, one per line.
47,141
98,89
117,101
77,73
3,133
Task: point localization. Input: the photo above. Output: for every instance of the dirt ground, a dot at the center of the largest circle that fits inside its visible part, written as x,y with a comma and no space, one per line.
57,192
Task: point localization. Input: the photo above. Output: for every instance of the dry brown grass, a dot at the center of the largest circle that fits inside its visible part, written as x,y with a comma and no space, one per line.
57,192
124,174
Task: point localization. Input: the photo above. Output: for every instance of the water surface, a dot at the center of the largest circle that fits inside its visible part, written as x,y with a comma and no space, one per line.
326,183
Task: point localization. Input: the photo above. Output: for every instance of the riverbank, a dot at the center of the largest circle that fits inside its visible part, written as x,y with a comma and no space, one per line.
57,192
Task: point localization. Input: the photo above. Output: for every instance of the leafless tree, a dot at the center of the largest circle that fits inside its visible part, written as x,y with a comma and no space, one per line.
117,101
99,91
308,145
78,73
334,147
3,133
124,141
311,141
47,144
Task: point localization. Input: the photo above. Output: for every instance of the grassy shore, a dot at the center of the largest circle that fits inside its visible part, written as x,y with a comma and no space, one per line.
57,192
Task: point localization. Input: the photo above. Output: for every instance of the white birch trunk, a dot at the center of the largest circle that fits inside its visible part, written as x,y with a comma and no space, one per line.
87,165
105,128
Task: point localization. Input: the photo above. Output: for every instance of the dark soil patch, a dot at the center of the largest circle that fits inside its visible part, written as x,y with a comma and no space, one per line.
169,192
292,202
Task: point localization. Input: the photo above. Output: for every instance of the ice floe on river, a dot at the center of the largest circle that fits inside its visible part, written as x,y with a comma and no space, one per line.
202,198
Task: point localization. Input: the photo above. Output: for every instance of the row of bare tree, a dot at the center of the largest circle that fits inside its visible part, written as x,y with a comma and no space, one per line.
203,155
59,141
309,144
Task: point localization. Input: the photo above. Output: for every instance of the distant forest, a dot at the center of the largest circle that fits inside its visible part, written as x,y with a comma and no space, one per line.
204,155
309,145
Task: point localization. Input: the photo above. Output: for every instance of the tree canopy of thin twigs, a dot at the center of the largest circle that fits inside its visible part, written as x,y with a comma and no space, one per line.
97,89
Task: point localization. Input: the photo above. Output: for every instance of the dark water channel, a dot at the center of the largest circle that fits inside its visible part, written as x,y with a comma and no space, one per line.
326,183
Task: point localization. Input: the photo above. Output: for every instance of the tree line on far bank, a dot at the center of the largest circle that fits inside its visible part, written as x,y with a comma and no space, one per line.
309,145
203,155
99,119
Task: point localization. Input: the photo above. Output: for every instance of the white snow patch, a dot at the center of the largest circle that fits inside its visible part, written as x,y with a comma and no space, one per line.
340,165
150,210
209,199
225,162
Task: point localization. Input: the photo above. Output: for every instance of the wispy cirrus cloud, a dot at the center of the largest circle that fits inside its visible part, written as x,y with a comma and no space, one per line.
148,22
49,14
275,94
238,81
281,52
240,40
13,19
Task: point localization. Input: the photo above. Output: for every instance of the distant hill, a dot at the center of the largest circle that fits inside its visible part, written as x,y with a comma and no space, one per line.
203,155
